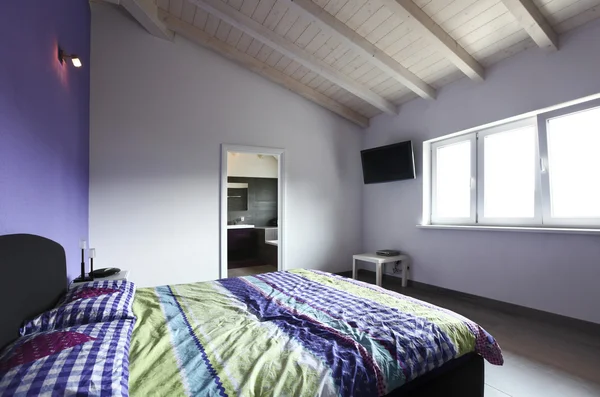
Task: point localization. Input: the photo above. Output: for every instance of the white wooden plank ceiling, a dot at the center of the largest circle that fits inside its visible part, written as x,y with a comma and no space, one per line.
359,58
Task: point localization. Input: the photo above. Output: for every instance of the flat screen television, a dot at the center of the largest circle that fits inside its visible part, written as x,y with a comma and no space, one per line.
388,163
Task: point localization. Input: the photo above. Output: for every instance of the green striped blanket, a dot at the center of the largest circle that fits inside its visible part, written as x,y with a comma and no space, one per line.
295,333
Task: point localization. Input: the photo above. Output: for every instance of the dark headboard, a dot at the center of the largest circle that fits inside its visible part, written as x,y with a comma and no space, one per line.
33,275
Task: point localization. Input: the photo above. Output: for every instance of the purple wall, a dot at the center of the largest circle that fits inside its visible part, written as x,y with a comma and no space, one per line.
553,272
44,122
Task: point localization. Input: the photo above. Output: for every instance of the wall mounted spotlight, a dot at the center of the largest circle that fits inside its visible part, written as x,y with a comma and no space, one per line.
74,58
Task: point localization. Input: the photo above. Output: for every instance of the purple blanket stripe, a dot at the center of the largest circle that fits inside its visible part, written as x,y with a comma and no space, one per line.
394,329
348,367
485,344
390,347
345,339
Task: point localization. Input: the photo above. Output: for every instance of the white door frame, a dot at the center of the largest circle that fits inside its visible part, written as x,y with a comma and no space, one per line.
280,153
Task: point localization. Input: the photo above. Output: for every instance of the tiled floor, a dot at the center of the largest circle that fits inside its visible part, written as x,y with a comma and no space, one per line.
541,359
249,271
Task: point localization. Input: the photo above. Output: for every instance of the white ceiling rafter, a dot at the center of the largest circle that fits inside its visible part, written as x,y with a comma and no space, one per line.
532,20
199,37
362,46
146,13
412,13
255,29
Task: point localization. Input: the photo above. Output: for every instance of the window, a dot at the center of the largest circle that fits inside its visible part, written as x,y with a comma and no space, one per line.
507,174
454,169
570,139
539,171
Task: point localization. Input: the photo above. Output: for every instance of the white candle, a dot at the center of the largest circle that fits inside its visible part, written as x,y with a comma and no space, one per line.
82,244
92,252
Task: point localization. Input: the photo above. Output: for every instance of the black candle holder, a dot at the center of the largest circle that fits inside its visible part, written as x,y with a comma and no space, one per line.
83,277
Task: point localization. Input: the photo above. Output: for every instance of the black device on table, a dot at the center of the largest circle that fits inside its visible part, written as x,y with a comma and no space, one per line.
388,252
106,272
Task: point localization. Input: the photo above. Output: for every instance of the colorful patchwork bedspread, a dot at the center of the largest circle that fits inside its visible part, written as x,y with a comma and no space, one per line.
295,333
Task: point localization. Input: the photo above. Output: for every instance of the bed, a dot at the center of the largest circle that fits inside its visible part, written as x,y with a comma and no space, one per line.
294,333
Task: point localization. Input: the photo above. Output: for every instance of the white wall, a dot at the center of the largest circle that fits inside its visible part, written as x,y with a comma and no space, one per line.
159,113
251,165
553,272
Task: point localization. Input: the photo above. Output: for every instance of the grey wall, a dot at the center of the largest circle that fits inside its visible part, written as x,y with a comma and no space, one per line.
160,111
262,201
554,272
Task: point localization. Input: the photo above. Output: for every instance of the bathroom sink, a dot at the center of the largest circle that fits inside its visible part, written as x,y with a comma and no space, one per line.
240,226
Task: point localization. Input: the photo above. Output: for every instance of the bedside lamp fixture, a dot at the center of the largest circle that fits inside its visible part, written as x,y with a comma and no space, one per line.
74,58
83,246
83,277
92,256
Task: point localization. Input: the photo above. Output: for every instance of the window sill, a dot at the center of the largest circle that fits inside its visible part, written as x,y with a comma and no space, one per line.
527,229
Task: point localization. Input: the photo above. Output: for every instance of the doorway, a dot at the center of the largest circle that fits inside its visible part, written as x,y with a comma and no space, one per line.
252,208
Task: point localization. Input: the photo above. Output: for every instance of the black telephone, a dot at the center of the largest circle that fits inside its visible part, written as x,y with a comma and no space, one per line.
107,271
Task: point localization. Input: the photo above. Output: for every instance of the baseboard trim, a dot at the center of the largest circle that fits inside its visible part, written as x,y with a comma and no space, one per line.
511,308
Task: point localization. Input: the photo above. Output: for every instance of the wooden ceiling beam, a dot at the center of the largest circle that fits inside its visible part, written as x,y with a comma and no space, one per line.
362,46
199,37
531,19
146,13
412,13
249,26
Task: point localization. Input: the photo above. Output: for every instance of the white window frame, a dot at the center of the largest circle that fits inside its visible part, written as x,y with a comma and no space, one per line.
473,213
542,122
547,224
489,221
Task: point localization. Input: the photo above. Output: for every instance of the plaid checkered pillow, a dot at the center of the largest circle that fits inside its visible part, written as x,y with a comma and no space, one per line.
93,302
87,360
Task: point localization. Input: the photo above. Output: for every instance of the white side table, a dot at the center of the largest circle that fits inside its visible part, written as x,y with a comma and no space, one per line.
379,261
122,275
